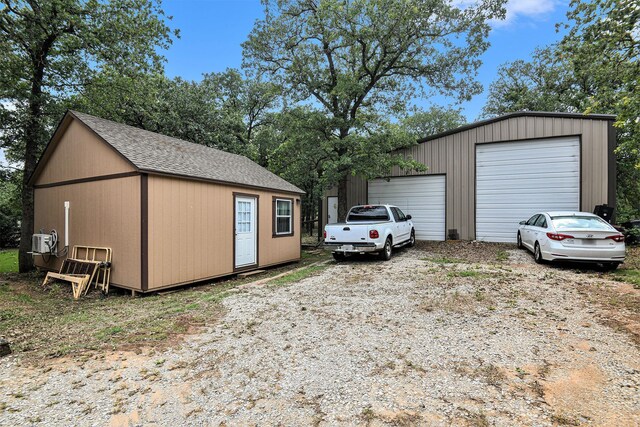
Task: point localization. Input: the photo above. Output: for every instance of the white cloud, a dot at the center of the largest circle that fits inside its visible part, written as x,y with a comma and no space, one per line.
528,9
518,9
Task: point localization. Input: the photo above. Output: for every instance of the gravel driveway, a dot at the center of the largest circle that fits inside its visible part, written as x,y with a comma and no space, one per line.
424,339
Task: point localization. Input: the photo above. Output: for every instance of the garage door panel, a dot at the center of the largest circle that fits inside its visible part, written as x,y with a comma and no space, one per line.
513,184
495,196
514,180
422,197
506,167
512,148
516,155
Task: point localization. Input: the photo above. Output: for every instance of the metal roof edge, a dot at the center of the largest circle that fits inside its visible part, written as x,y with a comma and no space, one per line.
491,120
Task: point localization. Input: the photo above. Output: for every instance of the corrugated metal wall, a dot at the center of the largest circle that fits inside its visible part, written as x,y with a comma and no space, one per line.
454,155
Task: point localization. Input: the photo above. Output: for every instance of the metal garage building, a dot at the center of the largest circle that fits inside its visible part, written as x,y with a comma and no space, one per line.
485,177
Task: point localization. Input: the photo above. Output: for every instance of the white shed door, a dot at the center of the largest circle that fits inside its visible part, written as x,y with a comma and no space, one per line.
245,231
422,197
514,180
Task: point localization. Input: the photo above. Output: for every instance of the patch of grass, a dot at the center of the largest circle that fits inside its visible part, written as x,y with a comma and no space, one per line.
367,414
9,261
631,276
7,314
502,256
298,275
23,298
106,333
216,297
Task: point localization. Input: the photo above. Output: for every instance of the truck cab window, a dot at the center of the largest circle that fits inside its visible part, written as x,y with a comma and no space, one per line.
368,213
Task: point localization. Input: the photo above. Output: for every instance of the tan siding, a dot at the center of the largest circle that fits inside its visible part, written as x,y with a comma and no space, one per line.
454,155
102,213
81,154
191,231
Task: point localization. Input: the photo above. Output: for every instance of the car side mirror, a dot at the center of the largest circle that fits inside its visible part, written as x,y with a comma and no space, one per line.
408,217
523,222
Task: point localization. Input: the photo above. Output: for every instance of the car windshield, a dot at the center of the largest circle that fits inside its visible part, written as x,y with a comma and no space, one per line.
368,213
571,222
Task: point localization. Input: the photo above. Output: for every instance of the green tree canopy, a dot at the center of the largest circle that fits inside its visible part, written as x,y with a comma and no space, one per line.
423,123
361,61
50,49
225,110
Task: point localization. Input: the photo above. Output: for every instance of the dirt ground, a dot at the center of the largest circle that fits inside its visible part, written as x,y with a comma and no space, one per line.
453,333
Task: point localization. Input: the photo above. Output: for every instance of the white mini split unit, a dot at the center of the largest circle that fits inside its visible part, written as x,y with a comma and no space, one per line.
43,243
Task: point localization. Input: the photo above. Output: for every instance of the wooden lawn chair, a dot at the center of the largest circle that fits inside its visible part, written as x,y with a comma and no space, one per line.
85,264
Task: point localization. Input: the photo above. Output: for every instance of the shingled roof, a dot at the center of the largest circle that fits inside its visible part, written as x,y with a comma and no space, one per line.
155,153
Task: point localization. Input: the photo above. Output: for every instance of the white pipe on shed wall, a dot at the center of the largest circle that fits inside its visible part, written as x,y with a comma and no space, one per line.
66,223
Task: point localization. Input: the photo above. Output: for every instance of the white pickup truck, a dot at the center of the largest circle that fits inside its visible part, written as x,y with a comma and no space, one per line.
370,228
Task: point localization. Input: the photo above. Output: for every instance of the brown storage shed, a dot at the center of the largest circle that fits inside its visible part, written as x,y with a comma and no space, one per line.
173,212
483,178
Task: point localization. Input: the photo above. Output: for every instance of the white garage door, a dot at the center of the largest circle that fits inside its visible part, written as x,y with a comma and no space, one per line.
422,197
514,180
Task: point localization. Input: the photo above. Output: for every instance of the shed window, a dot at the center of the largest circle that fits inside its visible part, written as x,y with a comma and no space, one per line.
284,217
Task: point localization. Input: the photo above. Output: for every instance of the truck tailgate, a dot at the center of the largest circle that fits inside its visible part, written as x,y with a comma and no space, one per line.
347,233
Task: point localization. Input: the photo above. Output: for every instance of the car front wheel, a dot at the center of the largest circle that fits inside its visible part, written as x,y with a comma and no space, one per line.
519,241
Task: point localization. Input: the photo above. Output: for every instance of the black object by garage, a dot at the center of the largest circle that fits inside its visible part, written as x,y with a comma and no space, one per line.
604,211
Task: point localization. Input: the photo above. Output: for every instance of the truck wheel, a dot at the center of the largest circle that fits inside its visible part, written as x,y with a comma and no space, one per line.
385,254
412,239
338,257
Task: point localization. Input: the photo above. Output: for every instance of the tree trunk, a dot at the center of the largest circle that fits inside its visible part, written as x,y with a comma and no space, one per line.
312,214
33,132
343,208
25,261
320,214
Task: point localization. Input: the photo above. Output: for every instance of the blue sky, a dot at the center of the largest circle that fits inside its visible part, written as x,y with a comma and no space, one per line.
213,30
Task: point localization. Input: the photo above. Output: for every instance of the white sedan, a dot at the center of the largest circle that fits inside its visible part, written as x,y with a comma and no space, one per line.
572,236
